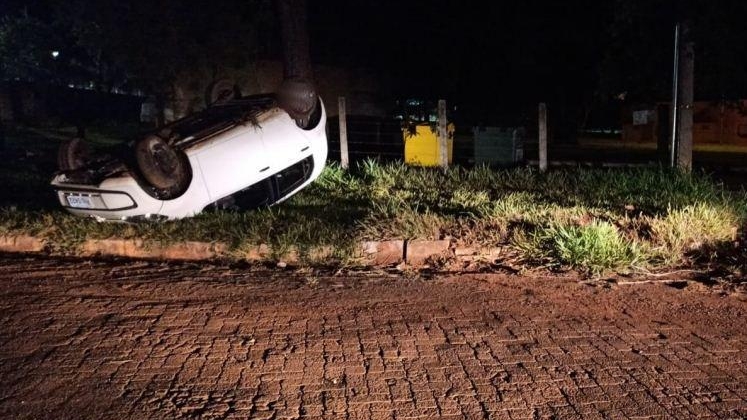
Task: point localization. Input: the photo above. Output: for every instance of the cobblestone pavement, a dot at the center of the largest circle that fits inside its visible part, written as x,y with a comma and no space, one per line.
139,340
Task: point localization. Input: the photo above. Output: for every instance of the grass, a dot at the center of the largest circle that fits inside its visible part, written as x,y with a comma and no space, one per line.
590,220
593,248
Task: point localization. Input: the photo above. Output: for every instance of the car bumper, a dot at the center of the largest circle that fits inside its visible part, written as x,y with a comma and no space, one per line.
118,198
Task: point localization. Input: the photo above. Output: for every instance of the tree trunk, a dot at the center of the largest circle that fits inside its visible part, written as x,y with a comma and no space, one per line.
686,88
297,95
295,38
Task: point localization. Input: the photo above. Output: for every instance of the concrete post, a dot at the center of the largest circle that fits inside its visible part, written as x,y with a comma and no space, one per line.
443,136
344,158
686,88
542,137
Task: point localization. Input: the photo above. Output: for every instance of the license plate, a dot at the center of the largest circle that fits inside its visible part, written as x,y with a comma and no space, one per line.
79,201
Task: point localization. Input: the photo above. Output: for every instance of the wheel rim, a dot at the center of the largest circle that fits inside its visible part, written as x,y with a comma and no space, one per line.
164,157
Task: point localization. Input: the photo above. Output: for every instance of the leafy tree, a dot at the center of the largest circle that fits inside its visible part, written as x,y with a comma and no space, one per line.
26,46
143,45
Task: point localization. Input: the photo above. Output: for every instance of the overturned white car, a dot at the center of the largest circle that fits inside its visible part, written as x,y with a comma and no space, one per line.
242,153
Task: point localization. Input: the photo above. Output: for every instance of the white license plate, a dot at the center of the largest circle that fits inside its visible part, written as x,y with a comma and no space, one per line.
79,202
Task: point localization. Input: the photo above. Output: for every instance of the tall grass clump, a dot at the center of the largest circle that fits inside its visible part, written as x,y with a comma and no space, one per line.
592,248
692,227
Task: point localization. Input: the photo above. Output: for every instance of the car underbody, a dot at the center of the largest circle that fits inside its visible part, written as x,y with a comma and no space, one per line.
239,154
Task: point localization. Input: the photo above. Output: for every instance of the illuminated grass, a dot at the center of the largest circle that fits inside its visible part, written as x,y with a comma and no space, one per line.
592,248
586,219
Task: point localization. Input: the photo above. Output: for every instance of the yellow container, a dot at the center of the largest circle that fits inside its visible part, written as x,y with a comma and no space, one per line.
421,148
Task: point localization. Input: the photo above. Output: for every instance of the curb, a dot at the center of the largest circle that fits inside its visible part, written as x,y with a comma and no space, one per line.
133,248
370,253
21,243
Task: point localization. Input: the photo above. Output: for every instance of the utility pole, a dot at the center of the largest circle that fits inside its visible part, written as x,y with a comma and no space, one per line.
675,97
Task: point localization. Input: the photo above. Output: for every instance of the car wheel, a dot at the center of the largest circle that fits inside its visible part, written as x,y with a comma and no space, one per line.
299,99
221,91
161,165
73,155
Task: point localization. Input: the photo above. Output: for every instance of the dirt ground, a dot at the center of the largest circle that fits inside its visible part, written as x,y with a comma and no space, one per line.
136,340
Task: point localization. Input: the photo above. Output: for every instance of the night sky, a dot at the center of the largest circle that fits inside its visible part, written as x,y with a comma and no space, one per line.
495,57
449,46
491,58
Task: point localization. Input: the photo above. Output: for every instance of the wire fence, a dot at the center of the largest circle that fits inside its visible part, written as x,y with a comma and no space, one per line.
382,139
368,137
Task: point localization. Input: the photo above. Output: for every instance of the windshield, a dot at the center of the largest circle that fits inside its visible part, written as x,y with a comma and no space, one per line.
219,117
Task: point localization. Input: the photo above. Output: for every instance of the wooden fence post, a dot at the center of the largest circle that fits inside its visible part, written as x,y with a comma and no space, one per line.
443,136
542,137
685,120
344,159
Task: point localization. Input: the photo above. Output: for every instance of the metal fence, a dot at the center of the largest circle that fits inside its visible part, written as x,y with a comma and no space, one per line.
368,137
383,139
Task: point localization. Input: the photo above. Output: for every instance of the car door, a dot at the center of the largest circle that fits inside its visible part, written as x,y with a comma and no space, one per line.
234,161
285,143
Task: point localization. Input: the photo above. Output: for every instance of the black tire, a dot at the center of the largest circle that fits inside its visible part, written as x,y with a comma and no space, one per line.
73,155
162,166
299,99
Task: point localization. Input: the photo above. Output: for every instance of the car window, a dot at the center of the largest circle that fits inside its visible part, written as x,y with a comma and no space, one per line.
258,195
204,121
217,117
291,178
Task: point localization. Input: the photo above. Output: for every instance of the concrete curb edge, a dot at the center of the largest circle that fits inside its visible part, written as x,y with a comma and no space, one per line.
370,253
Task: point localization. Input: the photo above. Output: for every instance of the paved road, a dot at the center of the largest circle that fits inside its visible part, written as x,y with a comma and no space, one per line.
145,340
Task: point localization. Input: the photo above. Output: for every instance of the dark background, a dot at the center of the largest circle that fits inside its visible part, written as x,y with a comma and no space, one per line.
494,60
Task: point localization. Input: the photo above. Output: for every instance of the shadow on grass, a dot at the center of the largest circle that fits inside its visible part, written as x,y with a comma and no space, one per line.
29,158
29,162
724,259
